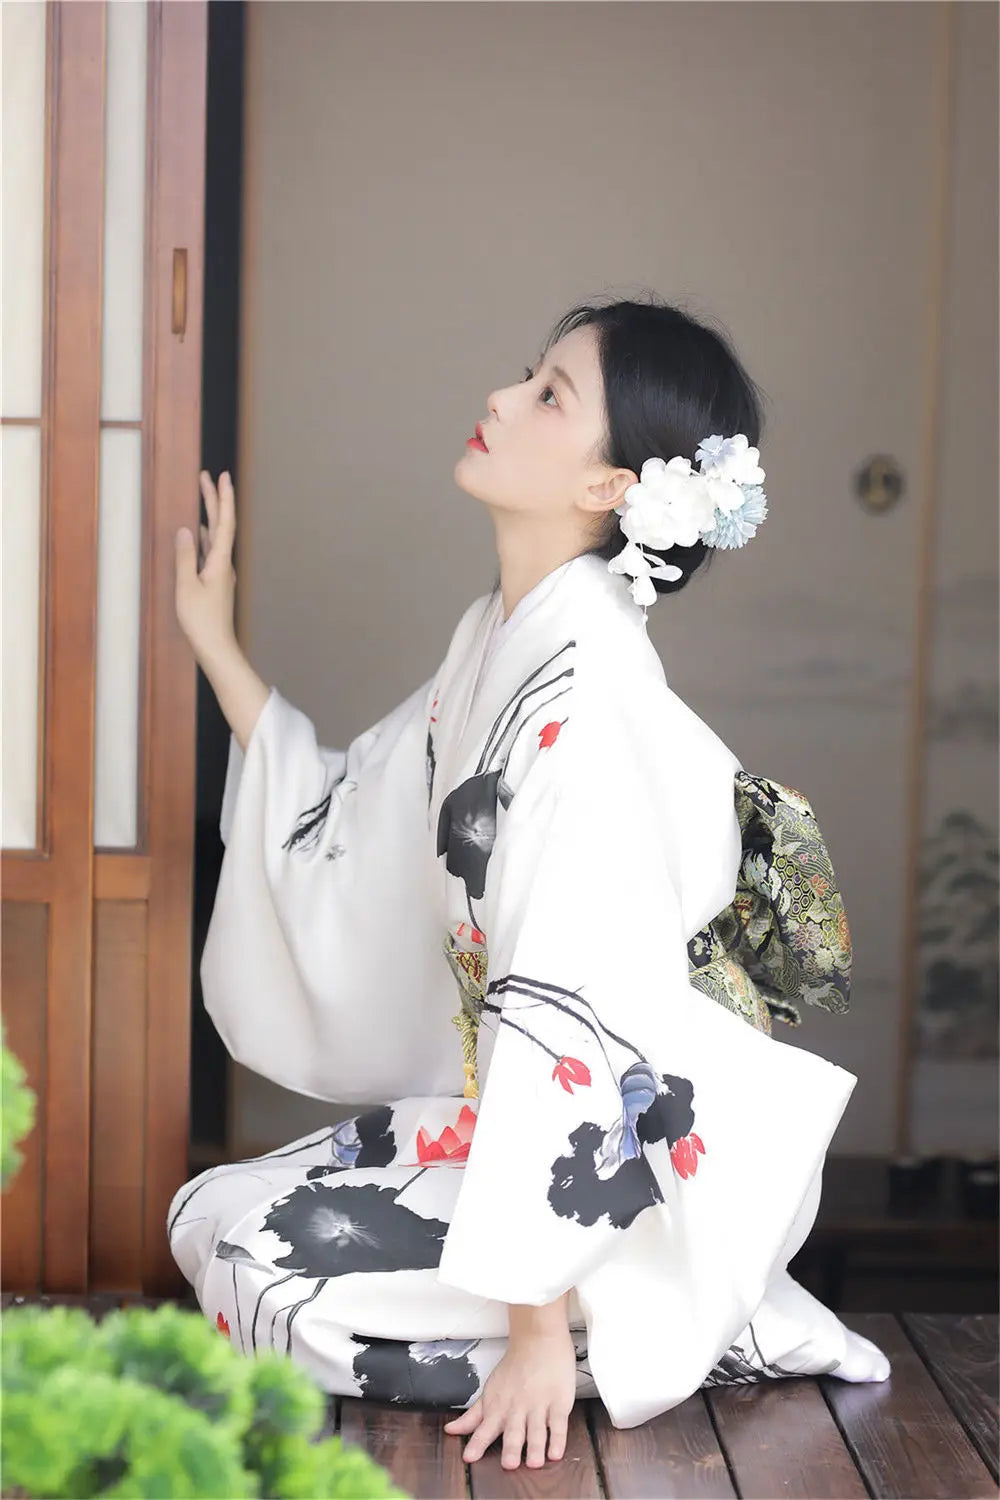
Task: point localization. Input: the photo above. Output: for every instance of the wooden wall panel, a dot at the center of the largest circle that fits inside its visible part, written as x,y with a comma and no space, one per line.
76,237
118,1064
23,961
179,54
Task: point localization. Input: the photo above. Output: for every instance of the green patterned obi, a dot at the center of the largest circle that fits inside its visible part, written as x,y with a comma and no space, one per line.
784,936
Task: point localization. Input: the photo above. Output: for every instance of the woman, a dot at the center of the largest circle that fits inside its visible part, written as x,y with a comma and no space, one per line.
574,1173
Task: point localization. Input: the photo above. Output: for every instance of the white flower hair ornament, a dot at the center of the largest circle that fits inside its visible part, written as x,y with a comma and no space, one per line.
672,504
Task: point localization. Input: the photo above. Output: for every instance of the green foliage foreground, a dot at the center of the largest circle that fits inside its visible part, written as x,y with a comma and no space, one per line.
17,1110
156,1404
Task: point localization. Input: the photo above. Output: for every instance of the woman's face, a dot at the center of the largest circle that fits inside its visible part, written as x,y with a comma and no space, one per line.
541,434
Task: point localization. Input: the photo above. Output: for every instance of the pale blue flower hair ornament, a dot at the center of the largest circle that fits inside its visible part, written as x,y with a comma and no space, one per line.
722,504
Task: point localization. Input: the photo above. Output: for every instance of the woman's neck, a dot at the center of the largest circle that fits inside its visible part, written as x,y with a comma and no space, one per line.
528,552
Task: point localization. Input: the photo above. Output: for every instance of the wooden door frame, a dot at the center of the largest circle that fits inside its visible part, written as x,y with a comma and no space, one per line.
92,1101
179,61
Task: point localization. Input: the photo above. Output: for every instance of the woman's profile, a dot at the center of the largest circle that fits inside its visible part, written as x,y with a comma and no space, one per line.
501,922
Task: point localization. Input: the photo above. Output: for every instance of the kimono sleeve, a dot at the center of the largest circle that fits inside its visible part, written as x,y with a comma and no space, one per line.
322,967
621,1105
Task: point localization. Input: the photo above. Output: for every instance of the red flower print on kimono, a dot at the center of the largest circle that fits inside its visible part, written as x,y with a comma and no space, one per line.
570,1070
682,1154
452,1145
222,1325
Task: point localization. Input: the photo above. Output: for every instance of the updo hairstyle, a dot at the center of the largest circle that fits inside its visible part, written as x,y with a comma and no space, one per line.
669,383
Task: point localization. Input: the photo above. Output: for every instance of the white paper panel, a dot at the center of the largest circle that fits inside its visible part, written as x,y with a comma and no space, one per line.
20,571
124,212
22,203
119,574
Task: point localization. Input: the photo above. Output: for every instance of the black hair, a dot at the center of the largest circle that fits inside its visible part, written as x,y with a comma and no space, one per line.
669,382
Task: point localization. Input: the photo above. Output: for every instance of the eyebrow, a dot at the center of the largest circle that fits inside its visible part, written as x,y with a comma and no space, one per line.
558,370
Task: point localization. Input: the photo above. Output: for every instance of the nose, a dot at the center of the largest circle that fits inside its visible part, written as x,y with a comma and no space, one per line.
496,400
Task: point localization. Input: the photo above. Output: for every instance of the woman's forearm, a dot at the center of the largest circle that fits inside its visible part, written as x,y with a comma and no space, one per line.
527,1320
240,691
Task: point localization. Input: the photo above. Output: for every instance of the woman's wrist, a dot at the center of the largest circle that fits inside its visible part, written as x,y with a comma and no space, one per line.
241,693
529,1321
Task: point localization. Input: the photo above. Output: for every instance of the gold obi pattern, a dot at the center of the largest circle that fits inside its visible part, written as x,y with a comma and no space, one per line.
784,937
469,968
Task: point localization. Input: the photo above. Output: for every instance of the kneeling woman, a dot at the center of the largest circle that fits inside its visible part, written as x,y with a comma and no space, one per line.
573,1171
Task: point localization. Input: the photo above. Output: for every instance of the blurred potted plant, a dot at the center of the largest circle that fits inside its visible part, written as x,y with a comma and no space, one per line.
153,1402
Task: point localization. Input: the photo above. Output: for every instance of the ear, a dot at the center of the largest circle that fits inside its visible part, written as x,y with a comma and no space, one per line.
610,491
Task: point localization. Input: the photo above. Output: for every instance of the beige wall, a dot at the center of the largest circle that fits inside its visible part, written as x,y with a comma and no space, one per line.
955,1035
429,185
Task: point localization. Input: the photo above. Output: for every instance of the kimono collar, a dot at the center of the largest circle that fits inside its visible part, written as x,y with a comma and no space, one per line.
584,573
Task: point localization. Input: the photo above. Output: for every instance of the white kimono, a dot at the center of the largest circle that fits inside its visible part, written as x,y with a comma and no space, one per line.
473,924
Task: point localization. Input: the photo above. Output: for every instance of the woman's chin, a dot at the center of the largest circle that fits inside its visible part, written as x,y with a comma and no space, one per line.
465,478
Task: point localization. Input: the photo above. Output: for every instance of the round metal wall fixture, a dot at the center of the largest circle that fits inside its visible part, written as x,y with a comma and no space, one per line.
879,484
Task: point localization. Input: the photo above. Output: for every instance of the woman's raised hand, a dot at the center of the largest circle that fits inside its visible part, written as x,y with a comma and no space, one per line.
205,598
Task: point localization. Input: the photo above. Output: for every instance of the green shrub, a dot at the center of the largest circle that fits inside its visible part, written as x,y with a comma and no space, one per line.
156,1403
17,1110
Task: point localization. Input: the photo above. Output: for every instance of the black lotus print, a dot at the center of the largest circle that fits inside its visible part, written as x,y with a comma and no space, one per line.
606,1173
429,1373
738,1367
365,1140
265,1158
467,823
334,1231
467,830
435,1372
578,1193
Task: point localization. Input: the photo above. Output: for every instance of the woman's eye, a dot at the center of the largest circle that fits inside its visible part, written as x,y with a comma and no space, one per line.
529,374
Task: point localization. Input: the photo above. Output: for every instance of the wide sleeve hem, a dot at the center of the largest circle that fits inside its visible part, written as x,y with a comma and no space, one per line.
326,869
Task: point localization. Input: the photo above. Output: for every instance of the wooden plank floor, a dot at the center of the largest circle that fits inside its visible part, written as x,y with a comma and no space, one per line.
930,1432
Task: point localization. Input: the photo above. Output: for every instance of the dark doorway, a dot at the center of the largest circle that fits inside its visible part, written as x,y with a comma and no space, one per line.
223,180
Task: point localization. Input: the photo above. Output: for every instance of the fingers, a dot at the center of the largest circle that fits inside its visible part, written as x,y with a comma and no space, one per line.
467,1419
211,499
221,507
220,504
513,1442
517,1427
537,1433
489,1428
225,529
558,1425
